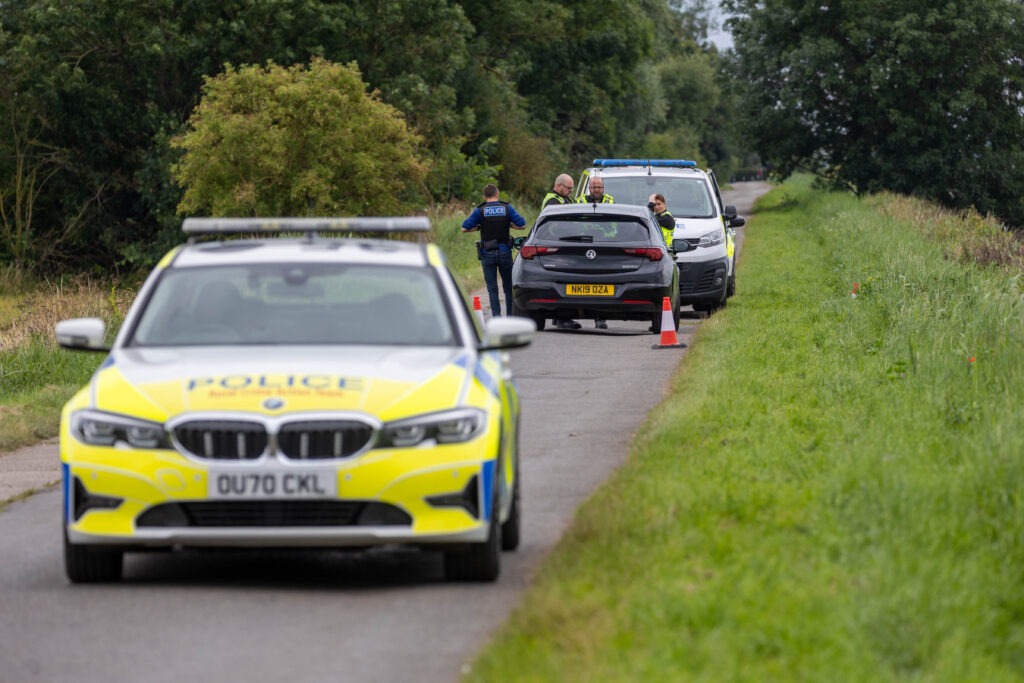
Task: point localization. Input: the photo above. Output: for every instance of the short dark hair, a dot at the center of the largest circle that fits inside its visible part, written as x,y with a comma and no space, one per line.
490,190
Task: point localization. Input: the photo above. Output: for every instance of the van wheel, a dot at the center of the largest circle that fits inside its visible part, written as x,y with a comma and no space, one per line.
730,287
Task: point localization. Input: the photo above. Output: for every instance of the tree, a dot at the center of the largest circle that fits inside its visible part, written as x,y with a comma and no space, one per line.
917,98
276,141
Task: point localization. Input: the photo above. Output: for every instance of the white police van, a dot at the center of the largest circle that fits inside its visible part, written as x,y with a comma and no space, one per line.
703,240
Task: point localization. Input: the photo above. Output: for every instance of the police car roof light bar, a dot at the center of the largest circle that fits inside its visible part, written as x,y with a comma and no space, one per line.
362,224
665,163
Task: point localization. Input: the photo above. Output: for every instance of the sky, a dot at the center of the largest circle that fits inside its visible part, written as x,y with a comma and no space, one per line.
721,38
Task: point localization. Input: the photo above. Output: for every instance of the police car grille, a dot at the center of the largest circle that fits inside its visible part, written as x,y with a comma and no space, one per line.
222,439
258,513
323,439
706,282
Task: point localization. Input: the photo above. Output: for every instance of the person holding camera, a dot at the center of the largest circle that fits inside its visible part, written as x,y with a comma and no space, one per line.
494,218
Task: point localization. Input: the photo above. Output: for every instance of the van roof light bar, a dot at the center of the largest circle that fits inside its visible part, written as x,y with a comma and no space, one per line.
664,163
361,224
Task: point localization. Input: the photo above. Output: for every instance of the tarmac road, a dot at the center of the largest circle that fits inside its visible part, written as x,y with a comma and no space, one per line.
382,615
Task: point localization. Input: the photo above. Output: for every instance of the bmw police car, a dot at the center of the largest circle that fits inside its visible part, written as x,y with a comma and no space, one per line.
312,391
704,238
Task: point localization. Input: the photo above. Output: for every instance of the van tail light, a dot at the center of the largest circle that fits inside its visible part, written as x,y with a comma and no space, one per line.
652,253
529,251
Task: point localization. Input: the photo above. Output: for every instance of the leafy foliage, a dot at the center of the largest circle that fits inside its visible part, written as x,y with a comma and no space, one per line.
92,94
916,98
279,141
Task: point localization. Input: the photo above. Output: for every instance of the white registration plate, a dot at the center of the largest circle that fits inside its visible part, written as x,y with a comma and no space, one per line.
272,483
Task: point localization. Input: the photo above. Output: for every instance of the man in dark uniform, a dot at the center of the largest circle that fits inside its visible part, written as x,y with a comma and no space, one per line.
493,218
561,193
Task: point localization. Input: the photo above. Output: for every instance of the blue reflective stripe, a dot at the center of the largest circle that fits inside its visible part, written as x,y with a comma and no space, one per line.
107,362
65,472
487,488
485,378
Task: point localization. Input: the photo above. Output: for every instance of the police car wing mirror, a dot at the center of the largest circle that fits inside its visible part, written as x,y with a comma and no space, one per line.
82,334
508,332
517,242
680,246
737,222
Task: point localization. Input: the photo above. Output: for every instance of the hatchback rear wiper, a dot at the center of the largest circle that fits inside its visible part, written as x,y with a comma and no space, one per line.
576,238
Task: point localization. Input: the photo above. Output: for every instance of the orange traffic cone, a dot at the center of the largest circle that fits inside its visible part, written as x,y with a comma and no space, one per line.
478,310
669,339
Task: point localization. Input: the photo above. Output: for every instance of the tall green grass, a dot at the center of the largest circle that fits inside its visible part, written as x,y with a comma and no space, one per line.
36,379
834,491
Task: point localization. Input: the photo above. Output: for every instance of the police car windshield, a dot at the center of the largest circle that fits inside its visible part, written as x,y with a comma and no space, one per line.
685,197
295,304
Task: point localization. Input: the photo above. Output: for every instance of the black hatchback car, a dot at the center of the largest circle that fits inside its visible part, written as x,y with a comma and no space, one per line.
595,261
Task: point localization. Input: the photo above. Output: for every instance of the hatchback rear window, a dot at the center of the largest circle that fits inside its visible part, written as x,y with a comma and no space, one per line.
590,230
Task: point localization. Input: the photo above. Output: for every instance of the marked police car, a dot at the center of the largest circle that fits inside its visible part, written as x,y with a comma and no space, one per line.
704,244
309,391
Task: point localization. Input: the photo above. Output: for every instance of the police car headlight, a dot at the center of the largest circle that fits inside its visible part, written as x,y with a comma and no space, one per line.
453,426
97,428
710,239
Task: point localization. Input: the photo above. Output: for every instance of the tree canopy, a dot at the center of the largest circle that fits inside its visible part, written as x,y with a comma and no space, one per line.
917,98
296,141
92,94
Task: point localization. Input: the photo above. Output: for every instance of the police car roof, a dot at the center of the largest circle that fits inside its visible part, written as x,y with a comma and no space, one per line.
646,170
286,250
311,248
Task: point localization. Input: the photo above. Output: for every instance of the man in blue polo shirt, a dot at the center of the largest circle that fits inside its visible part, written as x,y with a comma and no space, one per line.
493,218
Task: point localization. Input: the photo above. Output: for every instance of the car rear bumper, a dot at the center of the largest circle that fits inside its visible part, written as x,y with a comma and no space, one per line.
631,301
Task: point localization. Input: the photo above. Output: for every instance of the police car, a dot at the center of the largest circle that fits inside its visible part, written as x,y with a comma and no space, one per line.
704,237
310,391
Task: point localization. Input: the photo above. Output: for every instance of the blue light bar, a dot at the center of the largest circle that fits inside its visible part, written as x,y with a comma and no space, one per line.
669,163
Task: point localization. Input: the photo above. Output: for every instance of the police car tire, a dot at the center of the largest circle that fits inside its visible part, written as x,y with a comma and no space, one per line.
510,530
479,562
730,288
85,564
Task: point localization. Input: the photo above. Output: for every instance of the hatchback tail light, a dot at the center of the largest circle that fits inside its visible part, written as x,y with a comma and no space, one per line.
652,253
529,251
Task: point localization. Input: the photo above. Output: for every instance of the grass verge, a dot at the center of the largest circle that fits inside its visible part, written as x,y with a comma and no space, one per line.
831,493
